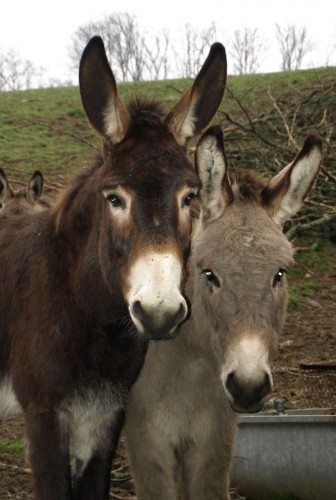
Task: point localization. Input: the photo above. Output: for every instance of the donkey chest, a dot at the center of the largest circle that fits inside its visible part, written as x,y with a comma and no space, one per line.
89,420
176,417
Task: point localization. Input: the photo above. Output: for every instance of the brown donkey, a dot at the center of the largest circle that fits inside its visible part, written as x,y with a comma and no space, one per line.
181,423
26,200
87,283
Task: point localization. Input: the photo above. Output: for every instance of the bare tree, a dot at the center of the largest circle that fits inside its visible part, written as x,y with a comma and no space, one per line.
331,52
136,55
156,53
123,43
294,45
195,44
79,41
247,49
17,73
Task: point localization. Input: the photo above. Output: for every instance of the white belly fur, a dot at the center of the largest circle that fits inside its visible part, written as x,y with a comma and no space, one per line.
9,405
87,421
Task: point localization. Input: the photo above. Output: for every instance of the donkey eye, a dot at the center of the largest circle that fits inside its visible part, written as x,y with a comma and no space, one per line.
211,277
278,277
188,199
114,200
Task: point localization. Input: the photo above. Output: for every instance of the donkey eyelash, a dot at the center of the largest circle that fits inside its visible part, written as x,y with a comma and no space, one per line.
278,277
114,199
186,201
211,277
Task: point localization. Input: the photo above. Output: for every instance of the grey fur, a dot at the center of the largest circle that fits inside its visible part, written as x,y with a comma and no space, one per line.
180,427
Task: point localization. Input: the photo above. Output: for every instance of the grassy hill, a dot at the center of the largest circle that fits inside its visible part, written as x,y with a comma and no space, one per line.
265,118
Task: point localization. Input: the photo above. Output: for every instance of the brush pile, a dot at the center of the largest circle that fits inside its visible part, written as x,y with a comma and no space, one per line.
265,139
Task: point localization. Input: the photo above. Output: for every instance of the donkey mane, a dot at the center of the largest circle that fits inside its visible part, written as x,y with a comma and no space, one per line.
146,112
247,185
68,198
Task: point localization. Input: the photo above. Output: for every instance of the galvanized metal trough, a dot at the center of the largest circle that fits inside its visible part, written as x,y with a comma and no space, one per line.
291,452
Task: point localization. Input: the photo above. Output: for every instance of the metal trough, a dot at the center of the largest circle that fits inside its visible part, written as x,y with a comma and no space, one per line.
292,452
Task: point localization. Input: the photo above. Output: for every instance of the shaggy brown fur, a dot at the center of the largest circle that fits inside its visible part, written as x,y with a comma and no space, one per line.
74,327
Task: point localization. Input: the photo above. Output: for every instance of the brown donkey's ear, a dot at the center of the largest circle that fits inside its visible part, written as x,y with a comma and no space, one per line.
35,186
5,189
211,166
286,192
198,105
99,94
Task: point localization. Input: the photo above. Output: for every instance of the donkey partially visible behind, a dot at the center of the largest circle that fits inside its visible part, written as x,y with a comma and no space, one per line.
23,201
181,422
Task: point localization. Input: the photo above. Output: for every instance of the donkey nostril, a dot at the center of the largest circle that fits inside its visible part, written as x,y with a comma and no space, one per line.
181,313
232,385
238,392
159,321
137,310
264,389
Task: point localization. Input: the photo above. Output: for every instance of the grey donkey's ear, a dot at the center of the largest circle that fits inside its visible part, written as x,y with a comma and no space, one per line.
5,189
211,166
35,186
285,194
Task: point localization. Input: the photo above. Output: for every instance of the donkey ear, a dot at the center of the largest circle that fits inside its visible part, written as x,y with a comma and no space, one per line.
35,186
99,94
286,192
198,105
5,189
211,166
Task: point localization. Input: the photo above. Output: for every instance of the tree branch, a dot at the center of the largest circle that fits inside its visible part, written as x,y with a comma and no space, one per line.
299,229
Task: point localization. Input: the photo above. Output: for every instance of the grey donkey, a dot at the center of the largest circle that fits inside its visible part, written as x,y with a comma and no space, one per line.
24,201
182,414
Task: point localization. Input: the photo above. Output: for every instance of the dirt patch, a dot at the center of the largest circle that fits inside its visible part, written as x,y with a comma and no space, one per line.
16,478
309,336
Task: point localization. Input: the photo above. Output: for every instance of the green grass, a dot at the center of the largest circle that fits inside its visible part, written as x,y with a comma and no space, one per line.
296,292
15,446
47,128
315,260
44,129
310,266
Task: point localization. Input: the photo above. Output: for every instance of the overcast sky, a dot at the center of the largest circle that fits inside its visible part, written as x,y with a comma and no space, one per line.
41,30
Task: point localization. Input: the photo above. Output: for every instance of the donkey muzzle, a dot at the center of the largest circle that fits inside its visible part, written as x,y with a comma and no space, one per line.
155,324
246,374
247,397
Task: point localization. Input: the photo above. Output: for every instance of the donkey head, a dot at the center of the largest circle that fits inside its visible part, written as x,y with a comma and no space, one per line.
240,258
146,186
23,201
